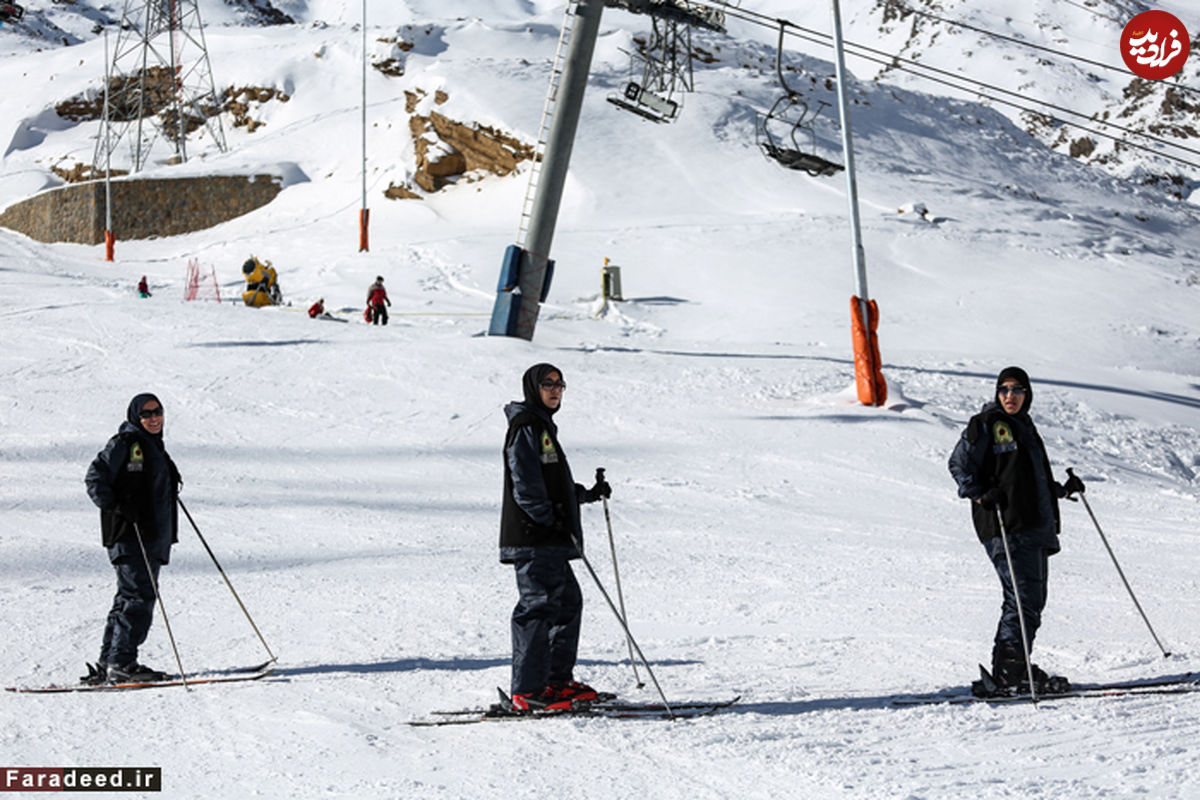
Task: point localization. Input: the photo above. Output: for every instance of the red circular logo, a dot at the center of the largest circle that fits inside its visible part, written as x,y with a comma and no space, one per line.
1154,45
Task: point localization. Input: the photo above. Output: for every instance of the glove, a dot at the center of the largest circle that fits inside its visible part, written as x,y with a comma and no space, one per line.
993,499
127,511
1073,485
601,489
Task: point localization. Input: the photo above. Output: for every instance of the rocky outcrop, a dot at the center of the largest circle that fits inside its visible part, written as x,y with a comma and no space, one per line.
447,150
241,102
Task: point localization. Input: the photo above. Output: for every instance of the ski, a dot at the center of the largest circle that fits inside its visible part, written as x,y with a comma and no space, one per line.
1177,684
611,704
606,709
231,675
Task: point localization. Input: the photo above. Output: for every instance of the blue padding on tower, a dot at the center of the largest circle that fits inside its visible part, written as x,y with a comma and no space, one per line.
546,281
504,314
510,269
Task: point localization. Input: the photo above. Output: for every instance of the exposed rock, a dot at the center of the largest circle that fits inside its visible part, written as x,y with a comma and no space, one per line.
401,192
1082,148
81,173
261,12
393,62
447,150
125,92
238,104
158,99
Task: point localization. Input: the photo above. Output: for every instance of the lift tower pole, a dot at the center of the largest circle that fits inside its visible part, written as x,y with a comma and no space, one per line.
516,313
869,380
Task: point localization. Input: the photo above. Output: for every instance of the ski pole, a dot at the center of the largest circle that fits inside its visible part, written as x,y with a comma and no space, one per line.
1121,572
1012,574
162,609
617,577
620,619
226,577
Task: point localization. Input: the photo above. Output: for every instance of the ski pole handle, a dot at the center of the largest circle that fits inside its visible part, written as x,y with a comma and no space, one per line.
599,473
1071,475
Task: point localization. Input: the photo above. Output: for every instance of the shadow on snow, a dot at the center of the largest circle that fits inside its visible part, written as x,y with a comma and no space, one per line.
455,664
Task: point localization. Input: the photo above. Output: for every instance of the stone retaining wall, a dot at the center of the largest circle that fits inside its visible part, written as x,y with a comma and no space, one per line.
142,208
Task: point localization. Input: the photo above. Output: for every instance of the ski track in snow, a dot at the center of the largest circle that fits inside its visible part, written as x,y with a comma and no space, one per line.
777,540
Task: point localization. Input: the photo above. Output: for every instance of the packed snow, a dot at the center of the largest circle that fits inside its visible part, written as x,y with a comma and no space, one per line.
777,541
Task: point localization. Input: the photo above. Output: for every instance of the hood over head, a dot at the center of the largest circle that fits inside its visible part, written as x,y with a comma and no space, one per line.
1021,377
529,383
135,407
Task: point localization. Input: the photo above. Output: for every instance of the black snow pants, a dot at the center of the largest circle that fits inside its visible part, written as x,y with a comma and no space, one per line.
1031,566
546,620
131,614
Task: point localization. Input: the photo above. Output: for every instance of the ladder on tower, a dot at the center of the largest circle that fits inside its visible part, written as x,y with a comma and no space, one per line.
539,149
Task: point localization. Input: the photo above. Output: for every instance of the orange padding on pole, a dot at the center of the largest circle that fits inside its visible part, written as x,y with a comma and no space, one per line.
872,388
364,218
110,242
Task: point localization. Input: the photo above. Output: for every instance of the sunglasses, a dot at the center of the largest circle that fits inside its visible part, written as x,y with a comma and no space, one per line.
147,413
550,386
1018,391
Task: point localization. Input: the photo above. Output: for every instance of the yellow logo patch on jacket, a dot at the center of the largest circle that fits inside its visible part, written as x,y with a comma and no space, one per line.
549,454
1002,438
137,458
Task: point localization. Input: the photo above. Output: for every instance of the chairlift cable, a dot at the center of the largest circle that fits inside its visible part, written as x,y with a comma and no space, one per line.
1093,12
1045,103
1014,40
899,62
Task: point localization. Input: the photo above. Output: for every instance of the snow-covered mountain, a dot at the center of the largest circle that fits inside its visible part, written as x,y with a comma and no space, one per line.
1051,66
777,540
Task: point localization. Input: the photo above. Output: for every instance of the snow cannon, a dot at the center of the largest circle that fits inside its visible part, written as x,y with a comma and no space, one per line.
262,284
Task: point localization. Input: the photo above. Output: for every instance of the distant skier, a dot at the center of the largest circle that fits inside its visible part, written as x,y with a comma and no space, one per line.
143,288
135,484
539,516
317,308
1000,464
377,301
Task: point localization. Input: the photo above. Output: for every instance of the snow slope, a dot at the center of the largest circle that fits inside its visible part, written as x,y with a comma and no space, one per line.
777,540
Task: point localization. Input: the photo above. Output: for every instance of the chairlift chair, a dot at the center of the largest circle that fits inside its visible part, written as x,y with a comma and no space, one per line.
789,115
651,94
645,103
790,153
11,11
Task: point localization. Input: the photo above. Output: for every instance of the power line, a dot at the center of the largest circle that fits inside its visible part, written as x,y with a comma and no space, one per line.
894,61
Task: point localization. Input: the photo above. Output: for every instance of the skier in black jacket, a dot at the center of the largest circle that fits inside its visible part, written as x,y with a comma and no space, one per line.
539,526
135,484
1001,466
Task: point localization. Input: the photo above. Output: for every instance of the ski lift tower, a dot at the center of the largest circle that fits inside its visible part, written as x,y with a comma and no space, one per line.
527,268
160,68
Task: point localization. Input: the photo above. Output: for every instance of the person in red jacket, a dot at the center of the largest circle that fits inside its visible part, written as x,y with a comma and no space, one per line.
377,301
143,288
317,308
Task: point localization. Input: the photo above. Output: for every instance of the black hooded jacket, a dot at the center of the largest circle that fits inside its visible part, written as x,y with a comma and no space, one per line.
1005,451
134,482
541,500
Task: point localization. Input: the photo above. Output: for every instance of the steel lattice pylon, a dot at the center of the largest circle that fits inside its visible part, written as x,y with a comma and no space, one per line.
159,69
